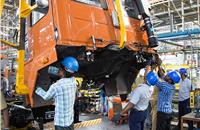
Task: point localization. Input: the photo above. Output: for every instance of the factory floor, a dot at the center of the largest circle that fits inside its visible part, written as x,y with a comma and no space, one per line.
104,125
109,125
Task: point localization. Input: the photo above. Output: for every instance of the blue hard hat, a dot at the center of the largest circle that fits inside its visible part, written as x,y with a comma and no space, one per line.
152,78
183,71
174,75
70,63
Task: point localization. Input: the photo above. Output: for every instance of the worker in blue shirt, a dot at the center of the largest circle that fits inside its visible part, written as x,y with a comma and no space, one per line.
166,91
63,91
185,87
139,101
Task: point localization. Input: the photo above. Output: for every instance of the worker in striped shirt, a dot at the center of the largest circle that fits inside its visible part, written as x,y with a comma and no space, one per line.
166,91
63,91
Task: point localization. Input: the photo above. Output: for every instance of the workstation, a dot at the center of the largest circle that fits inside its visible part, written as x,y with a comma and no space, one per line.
100,64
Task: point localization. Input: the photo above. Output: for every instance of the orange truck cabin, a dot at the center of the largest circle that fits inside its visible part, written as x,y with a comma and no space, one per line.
90,31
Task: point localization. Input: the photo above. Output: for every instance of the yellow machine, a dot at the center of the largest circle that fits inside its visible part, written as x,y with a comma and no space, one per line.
169,67
195,101
25,10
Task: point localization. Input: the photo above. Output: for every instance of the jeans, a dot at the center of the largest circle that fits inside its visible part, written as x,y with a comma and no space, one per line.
104,105
71,127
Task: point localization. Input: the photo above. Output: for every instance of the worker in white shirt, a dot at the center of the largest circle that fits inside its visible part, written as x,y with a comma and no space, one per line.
184,97
138,103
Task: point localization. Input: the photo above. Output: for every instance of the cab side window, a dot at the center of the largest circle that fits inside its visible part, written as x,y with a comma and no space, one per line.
37,14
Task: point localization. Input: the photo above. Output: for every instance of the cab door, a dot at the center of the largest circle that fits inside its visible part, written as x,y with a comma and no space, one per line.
88,18
40,45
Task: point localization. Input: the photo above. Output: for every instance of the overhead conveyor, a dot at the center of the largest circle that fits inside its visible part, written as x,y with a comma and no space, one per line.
177,35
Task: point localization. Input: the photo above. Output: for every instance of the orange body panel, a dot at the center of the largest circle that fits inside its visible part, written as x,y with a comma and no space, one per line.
41,46
76,23
83,21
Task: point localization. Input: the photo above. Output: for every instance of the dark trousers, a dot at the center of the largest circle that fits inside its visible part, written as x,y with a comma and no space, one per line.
71,127
184,108
136,119
163,121
76,111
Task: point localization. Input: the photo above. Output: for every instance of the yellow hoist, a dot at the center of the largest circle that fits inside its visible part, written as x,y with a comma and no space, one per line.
24,11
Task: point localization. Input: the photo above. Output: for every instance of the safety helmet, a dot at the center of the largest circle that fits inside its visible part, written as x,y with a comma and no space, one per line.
152,78
183,71
71,64
174,75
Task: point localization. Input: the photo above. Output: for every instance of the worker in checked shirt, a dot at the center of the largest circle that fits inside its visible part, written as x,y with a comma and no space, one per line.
63,91
139,101
184,97
166,91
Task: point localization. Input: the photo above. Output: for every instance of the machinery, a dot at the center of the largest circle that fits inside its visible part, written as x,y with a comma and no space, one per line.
111,39
195,102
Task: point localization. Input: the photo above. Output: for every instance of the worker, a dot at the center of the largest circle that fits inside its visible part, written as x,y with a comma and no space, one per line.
153,103
4,107
138,103
139,79
166,91
184,97
64,92
103,101
154,97
152,109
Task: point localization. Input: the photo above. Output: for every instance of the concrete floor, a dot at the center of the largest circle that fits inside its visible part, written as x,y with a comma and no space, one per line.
105,125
